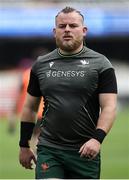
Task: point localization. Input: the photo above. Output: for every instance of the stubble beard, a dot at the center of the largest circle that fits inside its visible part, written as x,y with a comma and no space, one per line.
69,46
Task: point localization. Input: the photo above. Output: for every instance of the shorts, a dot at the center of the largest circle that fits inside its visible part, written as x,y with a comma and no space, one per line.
65,164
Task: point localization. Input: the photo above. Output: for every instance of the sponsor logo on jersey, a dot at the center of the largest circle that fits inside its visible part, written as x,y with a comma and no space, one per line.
68,74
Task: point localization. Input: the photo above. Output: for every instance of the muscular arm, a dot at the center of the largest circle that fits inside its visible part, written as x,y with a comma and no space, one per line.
108,103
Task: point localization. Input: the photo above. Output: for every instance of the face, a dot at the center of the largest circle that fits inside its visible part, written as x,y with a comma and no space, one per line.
69,32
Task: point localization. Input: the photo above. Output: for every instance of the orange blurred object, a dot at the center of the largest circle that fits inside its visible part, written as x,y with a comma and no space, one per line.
25,81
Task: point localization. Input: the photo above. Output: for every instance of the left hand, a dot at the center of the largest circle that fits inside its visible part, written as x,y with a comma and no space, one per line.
90,149
26,156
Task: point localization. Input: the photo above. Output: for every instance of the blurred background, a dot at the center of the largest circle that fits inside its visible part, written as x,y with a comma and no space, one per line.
25,33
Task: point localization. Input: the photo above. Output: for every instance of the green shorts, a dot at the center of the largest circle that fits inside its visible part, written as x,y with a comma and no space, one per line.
65,164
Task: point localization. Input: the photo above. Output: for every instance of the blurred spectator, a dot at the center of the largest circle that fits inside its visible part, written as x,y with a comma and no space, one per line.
25,65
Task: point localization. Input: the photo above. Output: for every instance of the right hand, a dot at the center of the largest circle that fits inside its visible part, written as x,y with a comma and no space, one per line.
26,156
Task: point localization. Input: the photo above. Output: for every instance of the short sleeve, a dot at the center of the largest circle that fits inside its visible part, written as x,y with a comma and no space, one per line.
33,86
107,82
104,64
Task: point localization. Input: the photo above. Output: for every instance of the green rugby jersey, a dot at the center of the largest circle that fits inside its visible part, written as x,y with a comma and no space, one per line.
70,86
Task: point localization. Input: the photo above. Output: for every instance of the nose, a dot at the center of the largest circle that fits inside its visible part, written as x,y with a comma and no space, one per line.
67,28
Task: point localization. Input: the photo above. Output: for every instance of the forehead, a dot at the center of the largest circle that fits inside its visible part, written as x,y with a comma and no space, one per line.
66,18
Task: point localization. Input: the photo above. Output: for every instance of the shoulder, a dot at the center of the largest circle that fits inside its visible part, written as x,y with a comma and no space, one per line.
50,56
98,59
43,59
93,54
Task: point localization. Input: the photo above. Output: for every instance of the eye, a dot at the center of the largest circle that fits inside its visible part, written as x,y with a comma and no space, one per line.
62,26
73,25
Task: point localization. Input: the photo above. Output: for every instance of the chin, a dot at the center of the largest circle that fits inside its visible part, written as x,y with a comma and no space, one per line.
68,46
68,49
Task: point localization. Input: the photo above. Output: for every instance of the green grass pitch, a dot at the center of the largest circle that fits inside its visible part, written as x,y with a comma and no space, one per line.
114,152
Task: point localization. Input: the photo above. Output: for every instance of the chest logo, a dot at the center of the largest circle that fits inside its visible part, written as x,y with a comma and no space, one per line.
51,64
84,62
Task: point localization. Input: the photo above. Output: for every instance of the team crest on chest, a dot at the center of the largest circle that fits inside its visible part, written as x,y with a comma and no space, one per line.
84,63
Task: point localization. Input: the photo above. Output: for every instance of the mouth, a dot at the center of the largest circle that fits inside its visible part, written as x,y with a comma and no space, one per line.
67,37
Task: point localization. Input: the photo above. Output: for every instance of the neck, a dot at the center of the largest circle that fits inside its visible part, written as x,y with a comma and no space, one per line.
71,52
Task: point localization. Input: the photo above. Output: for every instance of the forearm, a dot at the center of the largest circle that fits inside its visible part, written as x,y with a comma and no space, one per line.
28,119
28,115
106,118
27,125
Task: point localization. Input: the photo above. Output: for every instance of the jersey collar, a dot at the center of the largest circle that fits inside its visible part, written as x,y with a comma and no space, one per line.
71,55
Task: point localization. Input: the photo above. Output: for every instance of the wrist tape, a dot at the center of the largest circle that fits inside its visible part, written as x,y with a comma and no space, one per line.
26,133
99,135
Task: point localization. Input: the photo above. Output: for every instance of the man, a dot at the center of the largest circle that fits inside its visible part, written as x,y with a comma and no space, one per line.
79,89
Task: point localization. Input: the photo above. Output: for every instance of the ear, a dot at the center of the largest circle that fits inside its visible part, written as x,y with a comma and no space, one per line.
85,30
54,31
